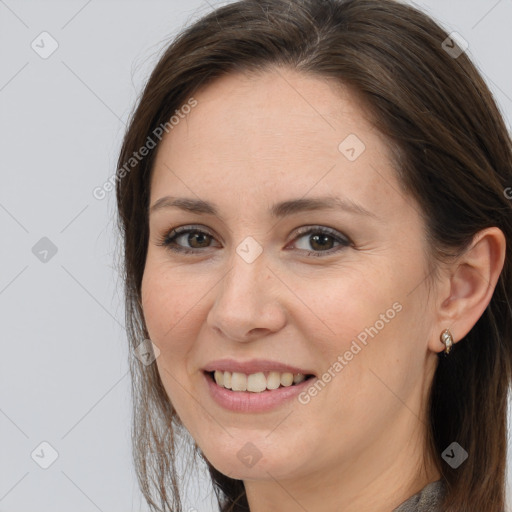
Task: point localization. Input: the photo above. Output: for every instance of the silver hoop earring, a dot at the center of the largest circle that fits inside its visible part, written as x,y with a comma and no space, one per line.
447,340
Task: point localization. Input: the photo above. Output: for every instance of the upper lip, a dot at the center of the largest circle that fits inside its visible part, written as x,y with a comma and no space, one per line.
253,366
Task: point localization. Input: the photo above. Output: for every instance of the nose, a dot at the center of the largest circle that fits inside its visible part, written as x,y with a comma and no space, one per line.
247,305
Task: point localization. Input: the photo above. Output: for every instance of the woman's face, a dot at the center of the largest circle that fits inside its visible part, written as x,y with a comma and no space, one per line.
307,258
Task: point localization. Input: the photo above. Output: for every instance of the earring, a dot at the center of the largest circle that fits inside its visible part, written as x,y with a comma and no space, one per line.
447,340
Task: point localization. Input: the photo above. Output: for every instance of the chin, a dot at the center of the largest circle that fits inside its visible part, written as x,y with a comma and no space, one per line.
250,460
233,467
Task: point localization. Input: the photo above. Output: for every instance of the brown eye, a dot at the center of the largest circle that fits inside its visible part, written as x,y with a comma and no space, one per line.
196,239
186,240
320,240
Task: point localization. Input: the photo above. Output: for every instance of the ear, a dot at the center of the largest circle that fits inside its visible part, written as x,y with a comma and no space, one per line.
468,285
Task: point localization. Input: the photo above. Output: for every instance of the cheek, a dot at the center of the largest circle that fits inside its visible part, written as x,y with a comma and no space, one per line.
368,315
341,303
167,304
169,314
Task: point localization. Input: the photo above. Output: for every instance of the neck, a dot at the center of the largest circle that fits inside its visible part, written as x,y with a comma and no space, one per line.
378,479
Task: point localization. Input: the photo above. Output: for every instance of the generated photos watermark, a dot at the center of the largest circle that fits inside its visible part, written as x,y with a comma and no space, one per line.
344,359
100,192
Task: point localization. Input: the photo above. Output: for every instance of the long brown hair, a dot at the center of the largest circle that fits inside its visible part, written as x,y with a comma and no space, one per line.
452,153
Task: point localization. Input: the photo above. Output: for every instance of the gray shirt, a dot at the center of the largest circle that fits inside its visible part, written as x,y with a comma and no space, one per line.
427,500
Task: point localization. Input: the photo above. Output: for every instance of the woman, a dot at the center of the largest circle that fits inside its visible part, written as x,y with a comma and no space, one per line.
315,221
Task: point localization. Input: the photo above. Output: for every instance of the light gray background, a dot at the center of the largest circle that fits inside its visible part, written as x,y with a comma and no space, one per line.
63,362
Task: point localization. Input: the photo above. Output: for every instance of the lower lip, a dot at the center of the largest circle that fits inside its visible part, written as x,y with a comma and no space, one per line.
246,401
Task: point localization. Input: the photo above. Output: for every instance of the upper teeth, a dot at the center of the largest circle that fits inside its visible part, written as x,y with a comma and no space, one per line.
256,382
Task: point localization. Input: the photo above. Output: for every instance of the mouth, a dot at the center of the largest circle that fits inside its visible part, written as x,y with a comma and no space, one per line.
259,382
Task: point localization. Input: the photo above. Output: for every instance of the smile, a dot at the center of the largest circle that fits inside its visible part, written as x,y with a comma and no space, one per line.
239,397
257,382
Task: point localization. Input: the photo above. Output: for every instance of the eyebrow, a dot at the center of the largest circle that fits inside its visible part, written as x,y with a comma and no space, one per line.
278,210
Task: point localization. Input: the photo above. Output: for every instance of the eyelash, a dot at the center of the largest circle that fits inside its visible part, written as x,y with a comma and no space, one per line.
168,240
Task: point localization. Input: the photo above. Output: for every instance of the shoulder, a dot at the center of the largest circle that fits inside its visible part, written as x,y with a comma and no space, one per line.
427,500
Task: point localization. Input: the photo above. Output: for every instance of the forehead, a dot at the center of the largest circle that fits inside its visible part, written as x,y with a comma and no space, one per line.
276,133
282,109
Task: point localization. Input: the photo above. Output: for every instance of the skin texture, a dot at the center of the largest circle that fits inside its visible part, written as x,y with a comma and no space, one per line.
253,141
